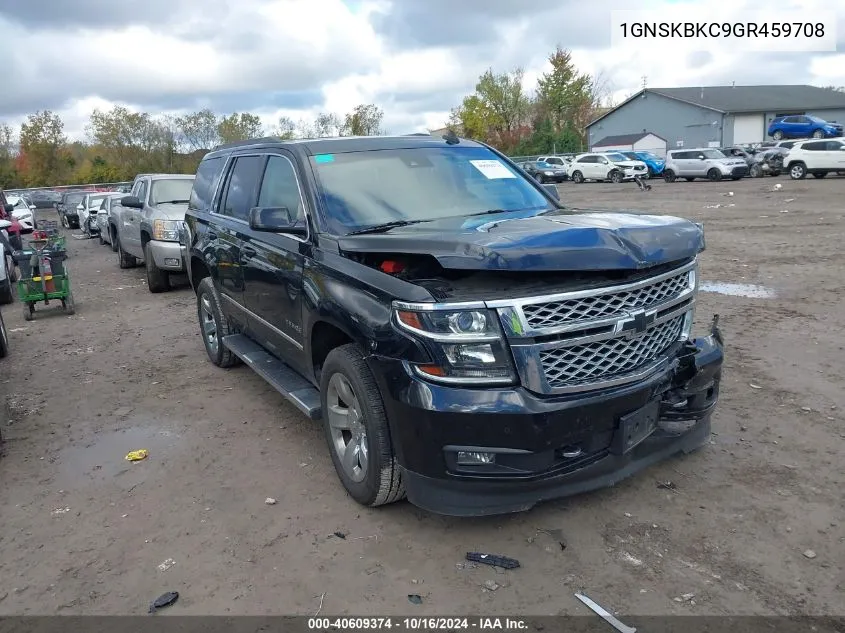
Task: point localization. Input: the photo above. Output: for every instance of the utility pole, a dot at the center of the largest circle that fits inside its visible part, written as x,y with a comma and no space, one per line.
645,81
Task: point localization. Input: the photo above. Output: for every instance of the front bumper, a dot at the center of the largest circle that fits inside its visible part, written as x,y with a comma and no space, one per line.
168,256
736,172
546,448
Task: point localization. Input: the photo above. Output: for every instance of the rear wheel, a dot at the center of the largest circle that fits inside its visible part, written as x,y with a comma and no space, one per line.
714,175
124,259
778,135
213,325
818,134
669,175
356,429
158,280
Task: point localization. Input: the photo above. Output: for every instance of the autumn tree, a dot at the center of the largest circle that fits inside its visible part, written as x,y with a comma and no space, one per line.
41,141
131,141
285,128
239,126
199,129
364,120
9,176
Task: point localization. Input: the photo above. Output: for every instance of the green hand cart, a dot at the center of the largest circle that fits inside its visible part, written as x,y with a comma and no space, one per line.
43,277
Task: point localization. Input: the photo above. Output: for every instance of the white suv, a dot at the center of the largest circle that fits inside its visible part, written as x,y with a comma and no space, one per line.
817,157
595,167
703,162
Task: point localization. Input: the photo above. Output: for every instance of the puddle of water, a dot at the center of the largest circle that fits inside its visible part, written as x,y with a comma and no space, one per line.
103,458
737,290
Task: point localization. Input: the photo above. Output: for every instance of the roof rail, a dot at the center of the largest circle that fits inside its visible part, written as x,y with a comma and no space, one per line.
254,141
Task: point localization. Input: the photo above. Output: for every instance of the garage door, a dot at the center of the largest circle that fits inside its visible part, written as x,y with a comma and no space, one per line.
749,128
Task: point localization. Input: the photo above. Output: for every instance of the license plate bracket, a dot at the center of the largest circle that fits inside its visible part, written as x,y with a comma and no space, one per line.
635,427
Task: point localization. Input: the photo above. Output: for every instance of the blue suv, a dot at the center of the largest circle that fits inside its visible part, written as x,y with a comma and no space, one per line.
654,163
803,126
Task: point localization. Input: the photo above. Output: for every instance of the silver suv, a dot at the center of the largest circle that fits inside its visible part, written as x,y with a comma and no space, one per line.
704,162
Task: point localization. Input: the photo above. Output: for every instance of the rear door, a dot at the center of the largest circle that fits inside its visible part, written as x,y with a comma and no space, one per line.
130,229
273,264
228,230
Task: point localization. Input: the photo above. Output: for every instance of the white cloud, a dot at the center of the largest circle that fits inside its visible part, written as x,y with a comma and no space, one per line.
299,57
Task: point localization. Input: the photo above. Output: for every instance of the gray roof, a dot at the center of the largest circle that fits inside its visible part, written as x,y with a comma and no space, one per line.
623,139
737,99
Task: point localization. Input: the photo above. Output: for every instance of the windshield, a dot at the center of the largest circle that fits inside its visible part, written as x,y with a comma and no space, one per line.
616,157
74,198
95,201
363,189
175,190
15,201
711,153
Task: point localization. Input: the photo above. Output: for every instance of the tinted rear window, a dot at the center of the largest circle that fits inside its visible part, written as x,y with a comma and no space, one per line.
205,183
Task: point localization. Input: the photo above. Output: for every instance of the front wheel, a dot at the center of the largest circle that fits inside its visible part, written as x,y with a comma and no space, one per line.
756,171
778,135
616,177
213,324
798,171
158,280
714,175
818,134
356,429
577,176
668,175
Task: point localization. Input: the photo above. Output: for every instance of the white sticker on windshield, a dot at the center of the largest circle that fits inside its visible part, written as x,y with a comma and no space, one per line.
492,169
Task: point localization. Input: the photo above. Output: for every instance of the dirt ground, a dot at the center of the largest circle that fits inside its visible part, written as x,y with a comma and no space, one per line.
84,531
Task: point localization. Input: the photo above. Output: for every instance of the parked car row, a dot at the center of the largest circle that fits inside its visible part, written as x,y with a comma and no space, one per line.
463,339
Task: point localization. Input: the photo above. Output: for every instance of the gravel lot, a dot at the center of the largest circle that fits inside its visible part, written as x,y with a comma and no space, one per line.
756,524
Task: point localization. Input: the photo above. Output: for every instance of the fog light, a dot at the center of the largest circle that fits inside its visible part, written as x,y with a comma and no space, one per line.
169,261
472,459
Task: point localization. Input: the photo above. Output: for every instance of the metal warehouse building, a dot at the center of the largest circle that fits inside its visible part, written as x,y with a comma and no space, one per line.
714,116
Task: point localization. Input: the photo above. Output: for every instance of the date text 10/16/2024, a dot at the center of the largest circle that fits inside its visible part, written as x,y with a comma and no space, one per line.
416,624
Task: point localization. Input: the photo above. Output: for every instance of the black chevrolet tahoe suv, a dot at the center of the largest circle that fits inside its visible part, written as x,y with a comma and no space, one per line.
466,340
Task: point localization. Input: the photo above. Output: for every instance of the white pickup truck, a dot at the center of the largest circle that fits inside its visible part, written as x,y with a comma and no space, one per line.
148,225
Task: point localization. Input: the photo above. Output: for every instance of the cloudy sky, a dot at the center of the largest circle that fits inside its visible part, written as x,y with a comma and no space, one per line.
414,58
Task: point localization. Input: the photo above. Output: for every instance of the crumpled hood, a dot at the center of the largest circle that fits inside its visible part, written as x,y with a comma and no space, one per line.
551,242
171,211
629,164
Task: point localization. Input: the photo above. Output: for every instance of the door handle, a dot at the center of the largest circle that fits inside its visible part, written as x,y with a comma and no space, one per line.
247,252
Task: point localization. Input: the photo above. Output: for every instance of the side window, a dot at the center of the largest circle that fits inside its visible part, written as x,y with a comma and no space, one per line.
815,146
205,183
790,119
142,191
241,187
279,188
802,119
834,146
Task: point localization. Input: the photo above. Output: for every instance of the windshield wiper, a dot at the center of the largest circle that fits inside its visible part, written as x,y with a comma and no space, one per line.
491,211
386,226
172,202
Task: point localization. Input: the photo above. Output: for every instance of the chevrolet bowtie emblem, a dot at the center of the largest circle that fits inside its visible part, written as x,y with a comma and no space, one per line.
637,323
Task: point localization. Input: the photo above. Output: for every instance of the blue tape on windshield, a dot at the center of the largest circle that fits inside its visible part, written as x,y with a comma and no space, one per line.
324,158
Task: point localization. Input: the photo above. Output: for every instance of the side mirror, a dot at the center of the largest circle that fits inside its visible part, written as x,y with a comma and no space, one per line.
132,202
552,191
274,220
32,207
842,148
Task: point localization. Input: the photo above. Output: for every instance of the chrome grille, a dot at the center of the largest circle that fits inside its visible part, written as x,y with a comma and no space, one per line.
610,358
600,306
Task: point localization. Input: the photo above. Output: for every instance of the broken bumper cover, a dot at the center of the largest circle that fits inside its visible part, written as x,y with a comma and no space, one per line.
544,448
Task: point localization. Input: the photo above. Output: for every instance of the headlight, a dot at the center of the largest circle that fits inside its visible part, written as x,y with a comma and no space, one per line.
24,216
466,346
167,230
548,173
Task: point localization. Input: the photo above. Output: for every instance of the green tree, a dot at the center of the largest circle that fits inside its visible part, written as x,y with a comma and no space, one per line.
239,126
327,124
564,95
285,128
131,141
364,120
41,141
199,129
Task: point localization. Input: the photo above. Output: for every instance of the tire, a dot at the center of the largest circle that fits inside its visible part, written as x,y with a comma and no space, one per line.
7,294
778,135
65,222
113,236
819,174
616,177
714,175
158,280
818,133
347,380
689,179
577,177
213,325
798,171
669,175
68,304
775,172
4,339
756,171
124,259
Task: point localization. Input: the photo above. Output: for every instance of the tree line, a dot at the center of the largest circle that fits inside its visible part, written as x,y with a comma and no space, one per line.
121,143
